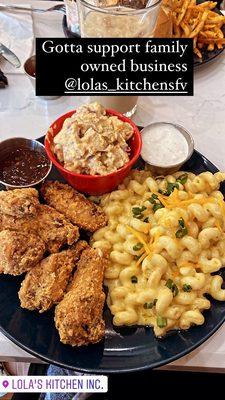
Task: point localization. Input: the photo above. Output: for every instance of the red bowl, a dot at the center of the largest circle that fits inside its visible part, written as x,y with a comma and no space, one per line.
94,184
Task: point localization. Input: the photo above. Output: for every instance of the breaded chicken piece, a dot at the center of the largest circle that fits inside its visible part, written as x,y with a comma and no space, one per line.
19,252
19,202
54,229
78,317
79,210
46,283
25,225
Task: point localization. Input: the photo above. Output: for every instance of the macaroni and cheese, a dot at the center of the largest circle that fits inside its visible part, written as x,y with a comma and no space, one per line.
165,238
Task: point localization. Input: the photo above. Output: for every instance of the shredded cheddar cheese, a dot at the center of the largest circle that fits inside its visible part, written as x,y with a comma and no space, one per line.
141,259
148,248
139,237
170,202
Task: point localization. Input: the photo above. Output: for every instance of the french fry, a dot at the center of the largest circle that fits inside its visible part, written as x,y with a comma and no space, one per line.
199,22
188,13
211,47
220,34
196,21
208,26
177,31
209,5
197,52
195,42
219,45
208,41
207,34
216,20
200,25
185,28
183,11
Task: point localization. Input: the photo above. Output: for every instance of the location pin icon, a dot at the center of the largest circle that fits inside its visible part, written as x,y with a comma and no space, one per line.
5,384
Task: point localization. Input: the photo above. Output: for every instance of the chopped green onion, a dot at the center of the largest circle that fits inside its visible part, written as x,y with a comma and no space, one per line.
134,279
183,230
181,222
181,233
169,284
187,288
170,188
150,305
137,246
161,322
136,210
175,290
153,198
137,257
172,185
173,287
182,179
157,206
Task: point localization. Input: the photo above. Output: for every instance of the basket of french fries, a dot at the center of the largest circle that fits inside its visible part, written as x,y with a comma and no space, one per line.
200,21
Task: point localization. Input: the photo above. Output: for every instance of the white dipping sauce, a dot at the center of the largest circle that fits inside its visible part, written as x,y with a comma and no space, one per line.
163,145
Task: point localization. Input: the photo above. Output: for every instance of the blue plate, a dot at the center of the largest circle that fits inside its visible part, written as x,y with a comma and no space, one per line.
124,349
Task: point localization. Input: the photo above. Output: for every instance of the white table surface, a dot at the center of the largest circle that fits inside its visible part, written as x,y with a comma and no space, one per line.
21,114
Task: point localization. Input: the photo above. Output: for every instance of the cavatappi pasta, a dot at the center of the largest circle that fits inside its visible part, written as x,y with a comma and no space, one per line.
165,237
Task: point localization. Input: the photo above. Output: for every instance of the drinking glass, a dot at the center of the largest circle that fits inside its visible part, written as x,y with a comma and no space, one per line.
105,18
118,19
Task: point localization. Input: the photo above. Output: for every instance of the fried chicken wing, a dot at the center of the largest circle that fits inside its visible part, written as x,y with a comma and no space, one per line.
78,317
19,202
79,210
19,252
46,283
25,225
54,229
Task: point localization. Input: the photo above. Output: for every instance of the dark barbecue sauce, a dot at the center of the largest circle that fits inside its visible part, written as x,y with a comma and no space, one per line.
23,167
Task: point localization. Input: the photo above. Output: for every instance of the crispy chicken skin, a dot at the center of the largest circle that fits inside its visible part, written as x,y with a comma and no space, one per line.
19,202
19,252
78,317
54,229
79,210
46,283
25,225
